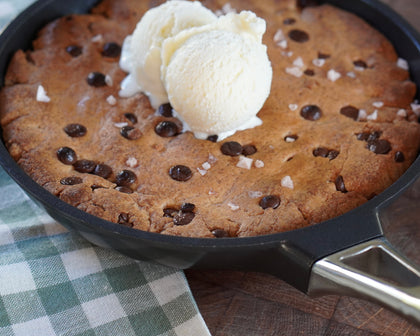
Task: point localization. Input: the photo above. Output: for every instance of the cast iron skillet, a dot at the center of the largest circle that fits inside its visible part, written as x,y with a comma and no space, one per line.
345,255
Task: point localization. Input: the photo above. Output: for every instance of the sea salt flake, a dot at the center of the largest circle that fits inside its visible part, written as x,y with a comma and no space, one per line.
290,54
212,159
289,139
362,115
293,107
402,113
111,100
108,80
233,206
351,74
287,182
298,62
41,95
319,62
416,108
206,165
333,75
244,162
212,192
294,71
132,162
283,44
403,64
83,101
202,171
373,116
259,164
359,68
121,124
378,104
255,194
279,36
97,38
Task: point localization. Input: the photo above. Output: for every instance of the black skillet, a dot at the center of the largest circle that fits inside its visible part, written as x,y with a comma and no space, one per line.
345,255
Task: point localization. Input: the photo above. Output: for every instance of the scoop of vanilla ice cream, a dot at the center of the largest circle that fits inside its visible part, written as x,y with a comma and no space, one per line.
141,55
218,76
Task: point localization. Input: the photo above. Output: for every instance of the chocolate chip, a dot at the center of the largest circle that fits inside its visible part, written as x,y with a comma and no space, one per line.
84,166
71,180
323,56
96,79
374,135
306,3
339,184
311,112
74,50
66,155
131,118
289,21
170,212
333,154
111,49
187,207
130,133
309,72
75,130
165,110
399,157
166,129
379,146
298,36
125,178
123,189
248,150
350,112
183,218
270,201
124,219
180,173
360,64
231,148
219,233
213,138
362,136
102,170
321,151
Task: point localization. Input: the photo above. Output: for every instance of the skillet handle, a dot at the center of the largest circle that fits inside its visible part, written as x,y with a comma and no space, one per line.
374,271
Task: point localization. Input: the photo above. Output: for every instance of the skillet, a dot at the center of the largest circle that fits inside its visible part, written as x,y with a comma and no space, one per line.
345,255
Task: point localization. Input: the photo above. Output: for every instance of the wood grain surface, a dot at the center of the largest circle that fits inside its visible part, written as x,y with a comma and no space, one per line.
253,304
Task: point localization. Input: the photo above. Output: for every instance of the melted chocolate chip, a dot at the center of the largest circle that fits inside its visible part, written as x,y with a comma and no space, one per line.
362,136
187,207
339,184
311,112
323,56
350,112
309,72
84,166
298,36
270,201
75,130
130,133
180,173
131,118
321,151
231,148
123,189
306,3
379,146
219,233
170,212
124,219
399,157
167,129
71,180
374,135
165,110
183,218
125,178
248,150
213,138
333,154
102,170
289,21
96,79
66,155
111,49
74,50
360,64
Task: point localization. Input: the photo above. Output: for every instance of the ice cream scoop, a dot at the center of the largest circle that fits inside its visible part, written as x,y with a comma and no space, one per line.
141,55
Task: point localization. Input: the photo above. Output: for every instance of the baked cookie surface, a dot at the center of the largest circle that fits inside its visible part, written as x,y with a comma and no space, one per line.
338,127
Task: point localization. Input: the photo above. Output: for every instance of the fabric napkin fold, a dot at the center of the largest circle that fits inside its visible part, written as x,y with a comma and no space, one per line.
53,282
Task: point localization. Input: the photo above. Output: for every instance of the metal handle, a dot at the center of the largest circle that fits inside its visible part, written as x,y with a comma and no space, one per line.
374,271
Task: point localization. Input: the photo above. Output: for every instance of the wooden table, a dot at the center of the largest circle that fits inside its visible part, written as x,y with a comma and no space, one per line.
252,304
